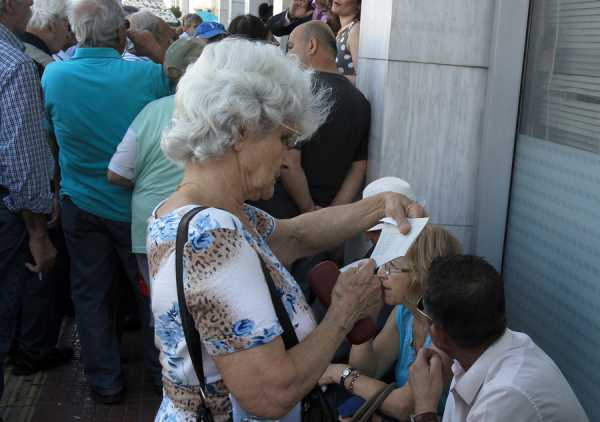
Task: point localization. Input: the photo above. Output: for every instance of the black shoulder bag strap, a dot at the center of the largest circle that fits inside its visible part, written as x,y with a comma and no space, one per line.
192,336
315,407
289,334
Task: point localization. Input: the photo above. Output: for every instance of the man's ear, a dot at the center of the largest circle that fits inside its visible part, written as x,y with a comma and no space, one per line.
9,6
312,46
440,338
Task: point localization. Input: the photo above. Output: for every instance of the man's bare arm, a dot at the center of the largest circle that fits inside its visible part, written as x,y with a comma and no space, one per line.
294,180
352,183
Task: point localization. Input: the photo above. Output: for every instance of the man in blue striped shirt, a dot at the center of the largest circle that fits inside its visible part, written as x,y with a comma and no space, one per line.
26,168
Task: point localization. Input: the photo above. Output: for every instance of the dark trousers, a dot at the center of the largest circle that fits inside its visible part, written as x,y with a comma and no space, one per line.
14,277
96,247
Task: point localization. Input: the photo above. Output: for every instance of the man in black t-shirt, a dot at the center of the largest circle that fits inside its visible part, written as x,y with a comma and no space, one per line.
330,168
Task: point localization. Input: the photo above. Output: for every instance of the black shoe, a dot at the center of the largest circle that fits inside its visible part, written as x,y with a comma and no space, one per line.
26,365
108,398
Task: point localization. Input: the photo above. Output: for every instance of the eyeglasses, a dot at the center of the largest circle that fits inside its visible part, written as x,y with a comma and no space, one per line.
421,310
389,270
292,140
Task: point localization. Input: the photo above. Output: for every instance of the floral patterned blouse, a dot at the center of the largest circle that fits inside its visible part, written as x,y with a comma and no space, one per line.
227,295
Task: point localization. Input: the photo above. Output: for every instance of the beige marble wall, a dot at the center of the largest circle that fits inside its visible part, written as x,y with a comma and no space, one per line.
224,11
423,66
236,8
251,6
280,5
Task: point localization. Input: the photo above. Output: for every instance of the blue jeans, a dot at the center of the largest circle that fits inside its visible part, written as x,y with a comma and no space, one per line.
13,278
96,246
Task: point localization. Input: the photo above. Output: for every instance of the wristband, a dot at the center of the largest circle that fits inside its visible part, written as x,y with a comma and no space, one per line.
355,375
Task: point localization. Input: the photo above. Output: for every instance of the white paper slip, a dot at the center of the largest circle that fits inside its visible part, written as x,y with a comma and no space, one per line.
393,244
354,264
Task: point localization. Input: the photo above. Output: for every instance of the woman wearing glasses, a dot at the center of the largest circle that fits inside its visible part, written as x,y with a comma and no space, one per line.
406,330
237,109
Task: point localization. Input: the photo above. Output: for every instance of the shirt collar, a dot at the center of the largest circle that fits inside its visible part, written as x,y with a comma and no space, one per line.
10,38
29,38
105,53
467,383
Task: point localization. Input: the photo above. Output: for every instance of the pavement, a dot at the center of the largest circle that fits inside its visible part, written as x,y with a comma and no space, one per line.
62,395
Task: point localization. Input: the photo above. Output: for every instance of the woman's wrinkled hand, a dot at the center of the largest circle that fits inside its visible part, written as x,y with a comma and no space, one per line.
332,374
356,295
399,207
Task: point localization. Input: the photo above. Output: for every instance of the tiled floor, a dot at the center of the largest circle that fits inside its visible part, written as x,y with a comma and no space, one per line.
62,394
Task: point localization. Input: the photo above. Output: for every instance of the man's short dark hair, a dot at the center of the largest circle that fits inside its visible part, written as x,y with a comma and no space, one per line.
465,296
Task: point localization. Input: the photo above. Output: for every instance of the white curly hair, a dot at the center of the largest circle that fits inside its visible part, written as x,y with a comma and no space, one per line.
47,12
238,85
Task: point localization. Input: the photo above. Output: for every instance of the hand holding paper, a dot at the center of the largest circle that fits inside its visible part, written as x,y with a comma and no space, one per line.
393,244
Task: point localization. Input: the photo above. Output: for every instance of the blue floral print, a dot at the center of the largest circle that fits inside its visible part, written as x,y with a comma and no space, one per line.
243,328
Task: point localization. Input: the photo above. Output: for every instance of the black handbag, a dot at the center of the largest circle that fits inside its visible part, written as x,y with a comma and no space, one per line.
314,406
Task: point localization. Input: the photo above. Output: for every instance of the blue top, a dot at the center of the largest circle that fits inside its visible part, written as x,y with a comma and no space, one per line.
407,354
90,102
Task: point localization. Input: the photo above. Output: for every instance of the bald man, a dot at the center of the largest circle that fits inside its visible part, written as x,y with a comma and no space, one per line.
329,169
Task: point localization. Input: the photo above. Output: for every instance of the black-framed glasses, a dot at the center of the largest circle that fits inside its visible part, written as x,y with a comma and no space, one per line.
421,310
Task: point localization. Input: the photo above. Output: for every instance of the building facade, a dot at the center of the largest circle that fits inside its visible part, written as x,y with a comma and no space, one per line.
491,110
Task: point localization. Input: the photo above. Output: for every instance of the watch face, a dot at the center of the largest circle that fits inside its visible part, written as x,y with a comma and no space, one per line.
346,372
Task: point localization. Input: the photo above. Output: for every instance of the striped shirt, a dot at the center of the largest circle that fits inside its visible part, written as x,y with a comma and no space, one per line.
26,163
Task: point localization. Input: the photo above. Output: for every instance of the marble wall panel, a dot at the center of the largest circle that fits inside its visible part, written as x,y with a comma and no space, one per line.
464,234
280,5
376,24
454,32
236,8
224,11
431,131
371,82
251,6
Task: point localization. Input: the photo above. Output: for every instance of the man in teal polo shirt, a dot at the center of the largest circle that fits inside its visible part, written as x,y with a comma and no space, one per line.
90,102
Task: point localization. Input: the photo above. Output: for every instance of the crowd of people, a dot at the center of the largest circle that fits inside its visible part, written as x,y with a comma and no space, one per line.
116,129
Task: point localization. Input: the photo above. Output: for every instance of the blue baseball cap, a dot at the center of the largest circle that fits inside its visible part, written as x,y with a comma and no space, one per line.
208,30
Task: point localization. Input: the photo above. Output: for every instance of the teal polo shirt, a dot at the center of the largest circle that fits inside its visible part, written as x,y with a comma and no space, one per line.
90,102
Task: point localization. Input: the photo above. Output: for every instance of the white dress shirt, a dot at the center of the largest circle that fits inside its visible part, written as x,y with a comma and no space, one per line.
512,381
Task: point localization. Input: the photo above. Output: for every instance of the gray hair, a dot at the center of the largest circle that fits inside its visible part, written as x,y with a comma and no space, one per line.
96,22
145,21
46,12
239,85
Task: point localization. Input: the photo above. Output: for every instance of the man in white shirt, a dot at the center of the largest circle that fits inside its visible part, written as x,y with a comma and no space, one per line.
499,375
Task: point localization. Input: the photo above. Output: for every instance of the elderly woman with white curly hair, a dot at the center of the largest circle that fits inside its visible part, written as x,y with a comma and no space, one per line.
237,110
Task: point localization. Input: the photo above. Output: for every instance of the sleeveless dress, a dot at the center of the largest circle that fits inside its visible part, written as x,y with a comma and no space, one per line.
343,61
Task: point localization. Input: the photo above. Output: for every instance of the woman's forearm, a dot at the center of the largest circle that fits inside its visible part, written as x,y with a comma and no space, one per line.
399,404
364,358
327,228
299,370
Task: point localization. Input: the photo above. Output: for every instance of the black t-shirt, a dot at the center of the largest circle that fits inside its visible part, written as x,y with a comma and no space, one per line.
329,154
342,140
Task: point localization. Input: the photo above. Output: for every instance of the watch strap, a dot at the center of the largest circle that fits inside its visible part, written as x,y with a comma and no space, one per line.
345,374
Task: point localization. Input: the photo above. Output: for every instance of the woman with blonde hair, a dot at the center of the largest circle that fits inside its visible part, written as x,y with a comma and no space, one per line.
406,330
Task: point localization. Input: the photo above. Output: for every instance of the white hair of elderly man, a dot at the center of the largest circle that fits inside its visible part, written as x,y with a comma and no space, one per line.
96,22
239,85
47,12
